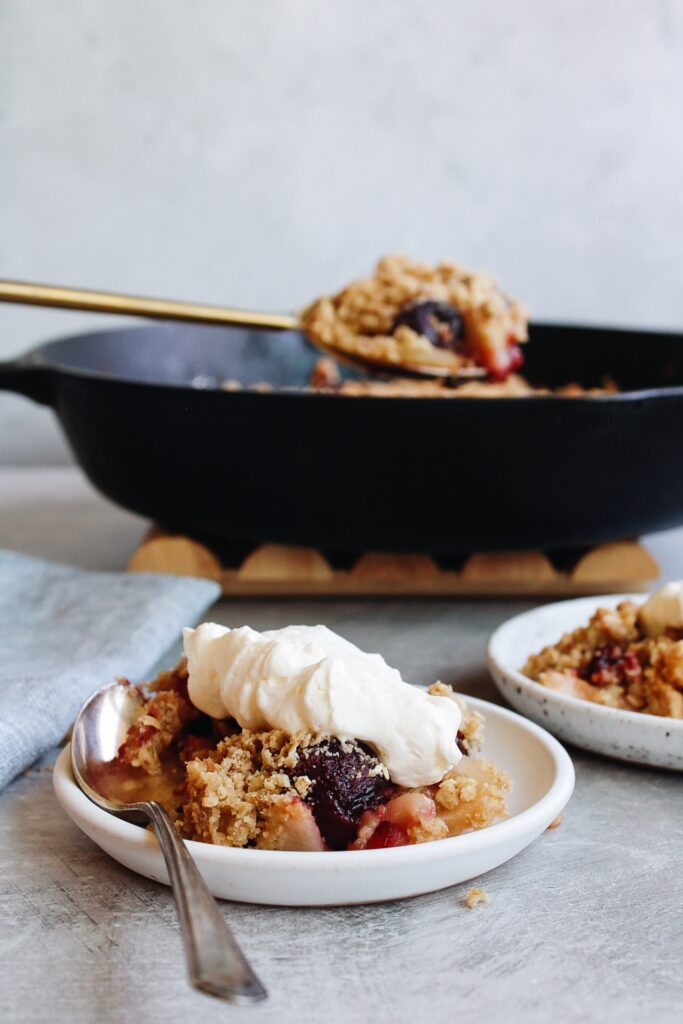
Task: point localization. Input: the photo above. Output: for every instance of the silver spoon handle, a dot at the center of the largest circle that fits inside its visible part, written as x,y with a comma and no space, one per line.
215,962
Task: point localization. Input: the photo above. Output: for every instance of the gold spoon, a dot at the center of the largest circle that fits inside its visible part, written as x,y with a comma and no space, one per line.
29,294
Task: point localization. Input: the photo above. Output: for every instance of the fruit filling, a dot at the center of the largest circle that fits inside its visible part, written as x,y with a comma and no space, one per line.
439,322
343,780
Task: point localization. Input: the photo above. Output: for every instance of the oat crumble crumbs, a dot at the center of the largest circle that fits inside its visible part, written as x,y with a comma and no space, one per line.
476,898
514,386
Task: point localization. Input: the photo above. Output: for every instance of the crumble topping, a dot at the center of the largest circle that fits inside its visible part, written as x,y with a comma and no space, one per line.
476,898
408,312
471,732
327,377
472,795
160,720
234,793
612,661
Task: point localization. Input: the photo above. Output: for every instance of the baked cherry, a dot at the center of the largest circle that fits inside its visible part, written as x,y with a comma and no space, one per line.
386,834
439,322
611,665
345,782
500,362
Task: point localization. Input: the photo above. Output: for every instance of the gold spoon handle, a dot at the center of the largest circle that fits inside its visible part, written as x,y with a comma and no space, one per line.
29,294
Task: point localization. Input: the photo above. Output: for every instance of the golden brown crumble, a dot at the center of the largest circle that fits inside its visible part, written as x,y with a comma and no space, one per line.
361,319
160,721
236,795
611,661
476,898
514,386
471,732
326,377
472,795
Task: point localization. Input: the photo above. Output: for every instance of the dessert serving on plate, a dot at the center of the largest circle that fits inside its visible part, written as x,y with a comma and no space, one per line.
629,657
295,739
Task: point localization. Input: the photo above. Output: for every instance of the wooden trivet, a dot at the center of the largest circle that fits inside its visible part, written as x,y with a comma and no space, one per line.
274,570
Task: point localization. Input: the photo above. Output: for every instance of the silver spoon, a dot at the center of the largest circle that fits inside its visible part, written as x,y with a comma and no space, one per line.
29,293
215,962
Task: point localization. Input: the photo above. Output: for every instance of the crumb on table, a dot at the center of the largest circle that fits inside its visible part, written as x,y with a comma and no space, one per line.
556,822
476,897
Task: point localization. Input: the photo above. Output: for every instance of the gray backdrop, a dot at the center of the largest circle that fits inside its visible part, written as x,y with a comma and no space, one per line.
260,152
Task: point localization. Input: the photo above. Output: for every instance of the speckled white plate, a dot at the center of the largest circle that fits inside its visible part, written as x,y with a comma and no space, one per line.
625,735
543,780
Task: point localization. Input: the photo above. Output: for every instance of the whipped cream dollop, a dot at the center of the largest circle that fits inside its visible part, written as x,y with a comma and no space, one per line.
663,610
307,678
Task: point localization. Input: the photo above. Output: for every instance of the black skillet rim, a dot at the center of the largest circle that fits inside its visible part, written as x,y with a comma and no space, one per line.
35,358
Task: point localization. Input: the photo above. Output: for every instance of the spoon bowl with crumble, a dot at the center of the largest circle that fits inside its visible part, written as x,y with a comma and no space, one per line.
409,319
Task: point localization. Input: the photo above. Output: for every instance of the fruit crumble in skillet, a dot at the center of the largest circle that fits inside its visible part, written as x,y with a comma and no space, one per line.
629,657
281,784
326,377
409,314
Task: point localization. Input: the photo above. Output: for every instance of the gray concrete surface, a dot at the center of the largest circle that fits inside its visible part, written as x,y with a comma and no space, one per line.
584,926
263,153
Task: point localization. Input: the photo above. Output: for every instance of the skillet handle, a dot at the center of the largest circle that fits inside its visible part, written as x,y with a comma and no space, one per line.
29,379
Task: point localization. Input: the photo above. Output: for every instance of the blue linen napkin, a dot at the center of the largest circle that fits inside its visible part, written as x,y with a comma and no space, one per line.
64,633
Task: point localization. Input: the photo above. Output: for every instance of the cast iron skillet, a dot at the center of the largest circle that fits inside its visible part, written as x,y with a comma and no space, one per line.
154,433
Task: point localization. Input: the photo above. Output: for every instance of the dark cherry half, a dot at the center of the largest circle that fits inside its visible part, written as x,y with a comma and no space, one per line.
439,322
442,325
345,782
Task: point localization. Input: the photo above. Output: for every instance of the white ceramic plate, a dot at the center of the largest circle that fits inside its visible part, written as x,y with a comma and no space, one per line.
543,780
625,735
